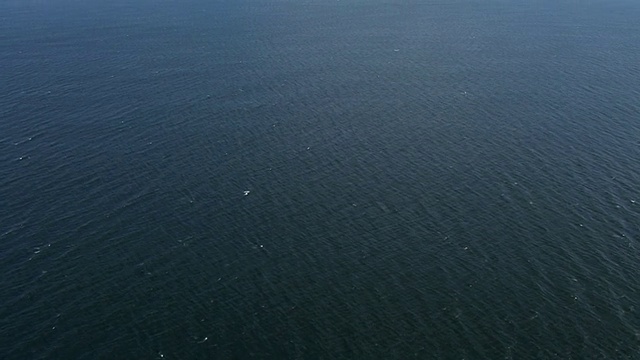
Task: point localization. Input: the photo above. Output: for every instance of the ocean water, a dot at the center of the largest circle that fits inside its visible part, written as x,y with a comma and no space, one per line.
279,179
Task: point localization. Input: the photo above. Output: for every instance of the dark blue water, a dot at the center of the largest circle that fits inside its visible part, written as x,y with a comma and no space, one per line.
348,179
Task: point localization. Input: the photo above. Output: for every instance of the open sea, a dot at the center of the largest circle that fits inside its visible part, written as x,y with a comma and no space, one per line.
320,179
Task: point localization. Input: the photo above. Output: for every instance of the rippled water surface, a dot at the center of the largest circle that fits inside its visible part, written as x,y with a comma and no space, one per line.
276,179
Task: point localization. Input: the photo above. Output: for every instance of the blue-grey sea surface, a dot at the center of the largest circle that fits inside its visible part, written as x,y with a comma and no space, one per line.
320,179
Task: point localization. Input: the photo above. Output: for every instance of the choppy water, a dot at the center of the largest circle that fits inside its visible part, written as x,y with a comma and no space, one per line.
426,179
